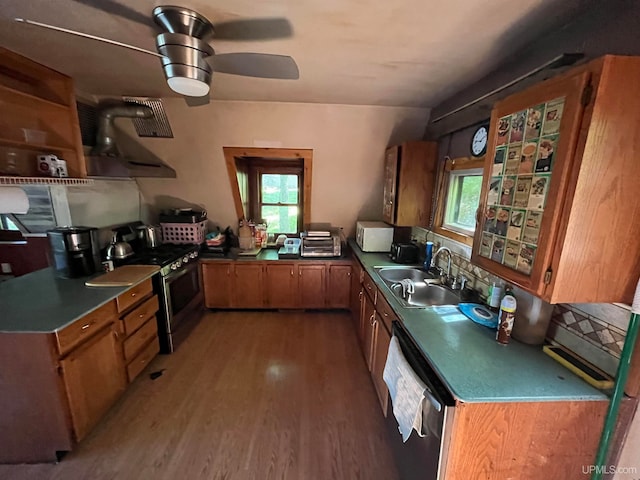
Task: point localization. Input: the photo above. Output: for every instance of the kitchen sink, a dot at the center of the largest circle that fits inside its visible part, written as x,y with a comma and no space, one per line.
395,274
425,292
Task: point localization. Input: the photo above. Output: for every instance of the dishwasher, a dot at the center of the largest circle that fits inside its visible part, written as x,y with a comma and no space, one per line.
422,458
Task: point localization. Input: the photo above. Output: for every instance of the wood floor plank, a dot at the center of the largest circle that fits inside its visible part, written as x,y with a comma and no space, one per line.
249,395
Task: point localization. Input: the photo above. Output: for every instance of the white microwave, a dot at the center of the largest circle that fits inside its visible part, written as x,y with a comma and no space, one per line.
374,236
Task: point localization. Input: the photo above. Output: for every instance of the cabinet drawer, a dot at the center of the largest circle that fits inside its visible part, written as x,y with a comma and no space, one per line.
386,313
142,359
370,287
132,321
134,295
135,342
81,329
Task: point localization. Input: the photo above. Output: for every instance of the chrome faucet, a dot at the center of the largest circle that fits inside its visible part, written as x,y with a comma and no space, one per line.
435,258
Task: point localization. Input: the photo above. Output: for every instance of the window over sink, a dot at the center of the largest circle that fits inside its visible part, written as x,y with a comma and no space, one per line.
459,187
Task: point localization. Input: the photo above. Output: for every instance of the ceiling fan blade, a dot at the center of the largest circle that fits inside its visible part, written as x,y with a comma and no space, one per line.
260,65
120,10
197,101
86,35
253,29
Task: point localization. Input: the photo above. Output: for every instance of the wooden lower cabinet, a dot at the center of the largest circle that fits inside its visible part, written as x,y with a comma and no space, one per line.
367,328
277,284
93,380
356,292
216,284
247,286
281,285
311,286
339,286
524,440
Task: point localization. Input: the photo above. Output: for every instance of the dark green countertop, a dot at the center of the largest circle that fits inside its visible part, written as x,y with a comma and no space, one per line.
471,363
267,254
41,302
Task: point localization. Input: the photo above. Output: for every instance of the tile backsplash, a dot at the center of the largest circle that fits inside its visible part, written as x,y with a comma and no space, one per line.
594,331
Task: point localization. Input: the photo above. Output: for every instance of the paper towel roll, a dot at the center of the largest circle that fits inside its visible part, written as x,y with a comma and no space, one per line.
13,200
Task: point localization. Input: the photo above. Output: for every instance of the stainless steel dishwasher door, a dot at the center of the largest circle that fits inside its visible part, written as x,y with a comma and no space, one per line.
422,458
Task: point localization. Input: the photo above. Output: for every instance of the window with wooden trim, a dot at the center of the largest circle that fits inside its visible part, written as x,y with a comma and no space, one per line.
460,185
271,185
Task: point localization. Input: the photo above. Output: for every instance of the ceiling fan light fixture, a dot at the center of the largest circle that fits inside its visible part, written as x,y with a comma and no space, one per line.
189,87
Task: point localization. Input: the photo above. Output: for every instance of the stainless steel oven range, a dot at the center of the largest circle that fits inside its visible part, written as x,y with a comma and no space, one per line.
178,288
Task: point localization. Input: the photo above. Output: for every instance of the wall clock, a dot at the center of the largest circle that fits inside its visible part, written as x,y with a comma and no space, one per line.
479,141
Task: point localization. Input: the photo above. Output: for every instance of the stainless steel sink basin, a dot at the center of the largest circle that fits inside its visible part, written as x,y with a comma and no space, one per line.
395,274
425,293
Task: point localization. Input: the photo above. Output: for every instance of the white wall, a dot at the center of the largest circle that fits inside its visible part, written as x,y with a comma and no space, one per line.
348,144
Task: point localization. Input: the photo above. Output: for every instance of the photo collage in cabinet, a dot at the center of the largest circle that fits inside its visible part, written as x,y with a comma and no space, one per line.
522,168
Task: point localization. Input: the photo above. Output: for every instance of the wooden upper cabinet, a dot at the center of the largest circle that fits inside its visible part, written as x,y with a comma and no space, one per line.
409,179
311,285
93,376
216,282
339,286
39,115
281,285
248,285
560,212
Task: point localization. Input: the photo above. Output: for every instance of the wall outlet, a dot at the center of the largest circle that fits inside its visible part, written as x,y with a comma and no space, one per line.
6,267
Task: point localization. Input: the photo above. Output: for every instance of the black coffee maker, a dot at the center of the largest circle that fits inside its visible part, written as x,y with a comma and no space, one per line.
75,251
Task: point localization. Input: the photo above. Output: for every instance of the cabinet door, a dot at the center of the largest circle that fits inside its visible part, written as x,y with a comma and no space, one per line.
530,155
356,292
415,183
382,339
281,285
248,291
339,286
367,320
93,377
390,181
311,286
216,282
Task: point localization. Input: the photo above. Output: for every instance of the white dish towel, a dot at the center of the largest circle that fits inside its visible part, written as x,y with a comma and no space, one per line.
406,390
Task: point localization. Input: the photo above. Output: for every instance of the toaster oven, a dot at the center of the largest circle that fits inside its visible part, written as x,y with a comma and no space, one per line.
320,245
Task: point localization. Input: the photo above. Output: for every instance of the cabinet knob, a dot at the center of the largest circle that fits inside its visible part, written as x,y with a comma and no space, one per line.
133,295
292,272
371,319
141,315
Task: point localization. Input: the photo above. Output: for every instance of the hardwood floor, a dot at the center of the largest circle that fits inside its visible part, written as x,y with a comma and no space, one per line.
249,395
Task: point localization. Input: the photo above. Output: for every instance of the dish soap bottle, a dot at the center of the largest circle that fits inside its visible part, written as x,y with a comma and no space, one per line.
428,255
507,316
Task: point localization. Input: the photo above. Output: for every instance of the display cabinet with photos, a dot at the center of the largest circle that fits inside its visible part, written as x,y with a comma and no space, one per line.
560,186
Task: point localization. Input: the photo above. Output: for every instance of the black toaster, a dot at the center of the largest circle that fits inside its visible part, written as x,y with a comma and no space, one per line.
404,252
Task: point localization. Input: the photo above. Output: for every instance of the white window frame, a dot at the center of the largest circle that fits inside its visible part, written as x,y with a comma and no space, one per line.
452,201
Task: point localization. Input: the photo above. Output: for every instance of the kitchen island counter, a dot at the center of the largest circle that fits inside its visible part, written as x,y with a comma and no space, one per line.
40,302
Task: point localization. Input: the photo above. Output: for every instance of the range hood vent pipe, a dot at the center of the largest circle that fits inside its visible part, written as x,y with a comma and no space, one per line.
105,138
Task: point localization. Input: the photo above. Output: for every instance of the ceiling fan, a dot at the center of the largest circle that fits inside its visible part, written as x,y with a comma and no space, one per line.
188,60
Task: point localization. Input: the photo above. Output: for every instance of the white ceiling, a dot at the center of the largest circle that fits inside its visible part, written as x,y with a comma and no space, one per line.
363,52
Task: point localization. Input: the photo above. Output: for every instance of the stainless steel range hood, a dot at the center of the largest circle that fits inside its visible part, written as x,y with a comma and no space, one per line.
106,158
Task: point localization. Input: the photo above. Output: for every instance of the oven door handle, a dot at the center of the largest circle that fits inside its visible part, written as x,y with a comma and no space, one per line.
179,273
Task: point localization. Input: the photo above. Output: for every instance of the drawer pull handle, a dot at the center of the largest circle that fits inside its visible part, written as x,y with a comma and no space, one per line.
85,326
133,294
141,315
